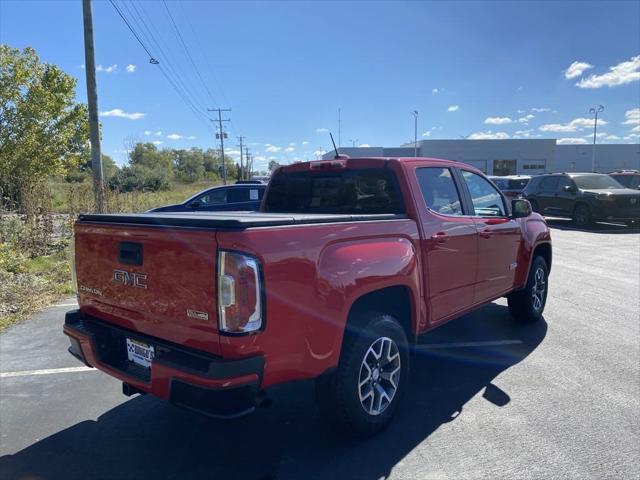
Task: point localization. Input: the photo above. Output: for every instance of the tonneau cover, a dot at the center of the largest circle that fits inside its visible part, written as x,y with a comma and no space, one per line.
231,220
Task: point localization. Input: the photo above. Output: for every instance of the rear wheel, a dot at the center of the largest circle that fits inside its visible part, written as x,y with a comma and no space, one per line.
361,397
527,305
582,216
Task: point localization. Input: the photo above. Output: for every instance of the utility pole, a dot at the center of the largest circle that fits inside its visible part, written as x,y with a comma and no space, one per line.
92,98
221,135
415,132
248,161
595,111
353,142
241,174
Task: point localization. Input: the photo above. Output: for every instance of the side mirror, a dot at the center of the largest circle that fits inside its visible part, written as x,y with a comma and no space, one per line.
569,189
520,208
194,204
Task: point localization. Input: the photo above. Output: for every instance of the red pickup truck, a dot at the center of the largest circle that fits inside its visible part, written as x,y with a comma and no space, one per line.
348,262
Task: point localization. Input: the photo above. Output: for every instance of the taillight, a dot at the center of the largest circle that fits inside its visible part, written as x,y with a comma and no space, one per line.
239,293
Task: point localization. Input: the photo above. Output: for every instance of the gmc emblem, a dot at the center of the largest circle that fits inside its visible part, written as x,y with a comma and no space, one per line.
138,280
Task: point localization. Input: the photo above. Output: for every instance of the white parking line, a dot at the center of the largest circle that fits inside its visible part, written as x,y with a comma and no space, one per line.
74,304
494,343
48,371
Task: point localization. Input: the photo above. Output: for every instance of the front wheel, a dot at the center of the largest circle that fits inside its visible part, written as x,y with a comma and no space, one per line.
582,216
528,304
361,397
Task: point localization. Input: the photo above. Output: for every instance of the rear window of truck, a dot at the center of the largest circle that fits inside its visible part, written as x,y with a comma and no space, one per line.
350,191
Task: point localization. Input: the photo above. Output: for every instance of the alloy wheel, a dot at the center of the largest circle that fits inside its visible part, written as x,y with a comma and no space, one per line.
379,376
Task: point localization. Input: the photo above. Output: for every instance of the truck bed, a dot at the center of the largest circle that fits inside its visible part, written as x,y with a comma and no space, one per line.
228,220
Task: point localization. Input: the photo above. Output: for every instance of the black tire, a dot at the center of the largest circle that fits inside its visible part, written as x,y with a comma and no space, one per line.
339,393
534,206
582,216
527,305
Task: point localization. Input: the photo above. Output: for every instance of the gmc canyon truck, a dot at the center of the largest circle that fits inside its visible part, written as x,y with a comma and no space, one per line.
337,276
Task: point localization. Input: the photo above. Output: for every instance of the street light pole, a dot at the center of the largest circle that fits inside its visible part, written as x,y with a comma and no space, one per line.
595,111
415,132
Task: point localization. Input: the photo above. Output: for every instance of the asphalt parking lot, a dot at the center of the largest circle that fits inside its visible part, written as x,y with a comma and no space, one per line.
489,398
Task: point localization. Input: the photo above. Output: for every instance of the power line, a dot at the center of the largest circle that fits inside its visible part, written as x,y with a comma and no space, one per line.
192,99
186,50
184,92
151,59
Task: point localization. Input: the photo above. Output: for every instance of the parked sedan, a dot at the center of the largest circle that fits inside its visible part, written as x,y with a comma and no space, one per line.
228,197
629,179
511,185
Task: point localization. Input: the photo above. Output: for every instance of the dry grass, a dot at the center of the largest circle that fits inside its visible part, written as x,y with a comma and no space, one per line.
74,198
35,266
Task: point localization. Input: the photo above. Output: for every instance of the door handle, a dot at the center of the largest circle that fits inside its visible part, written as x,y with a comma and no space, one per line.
486,233
440,237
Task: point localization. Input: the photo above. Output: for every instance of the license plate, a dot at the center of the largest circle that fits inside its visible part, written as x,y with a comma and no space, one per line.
139,353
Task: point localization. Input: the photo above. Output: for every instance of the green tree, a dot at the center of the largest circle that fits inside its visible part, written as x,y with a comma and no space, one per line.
83,171
148,155
273,165
189,164
43,130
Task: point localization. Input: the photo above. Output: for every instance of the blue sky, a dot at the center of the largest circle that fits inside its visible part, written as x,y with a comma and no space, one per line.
471,69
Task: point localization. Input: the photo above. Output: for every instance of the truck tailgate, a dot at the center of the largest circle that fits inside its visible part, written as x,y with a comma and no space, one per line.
157,281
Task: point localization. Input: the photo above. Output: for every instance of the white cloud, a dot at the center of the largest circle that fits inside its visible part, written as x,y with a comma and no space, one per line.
632,117
620,74
427,133
571,141
319,152
526,119
292,144
272,148
488,135
131,68
364,145
540,109
497,120
524,133
147,132
453,108
305,143
118,112
635,129
157,142
572,126
576,69
520,111
289,149
110,69
177,136
158,133
322,130
437,90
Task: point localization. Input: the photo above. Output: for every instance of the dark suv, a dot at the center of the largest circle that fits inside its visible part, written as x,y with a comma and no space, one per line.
584,197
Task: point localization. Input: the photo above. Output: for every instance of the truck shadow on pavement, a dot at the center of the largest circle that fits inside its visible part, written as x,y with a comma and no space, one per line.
148,438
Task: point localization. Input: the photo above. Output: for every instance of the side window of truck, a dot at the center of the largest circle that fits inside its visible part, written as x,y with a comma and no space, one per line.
487,202
439,190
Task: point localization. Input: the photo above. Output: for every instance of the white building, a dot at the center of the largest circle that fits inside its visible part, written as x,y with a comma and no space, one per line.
510,157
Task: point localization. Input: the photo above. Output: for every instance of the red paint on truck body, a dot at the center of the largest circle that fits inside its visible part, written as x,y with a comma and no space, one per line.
312,274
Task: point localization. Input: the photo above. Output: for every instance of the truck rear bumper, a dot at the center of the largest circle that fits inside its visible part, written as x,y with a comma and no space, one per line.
186,377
